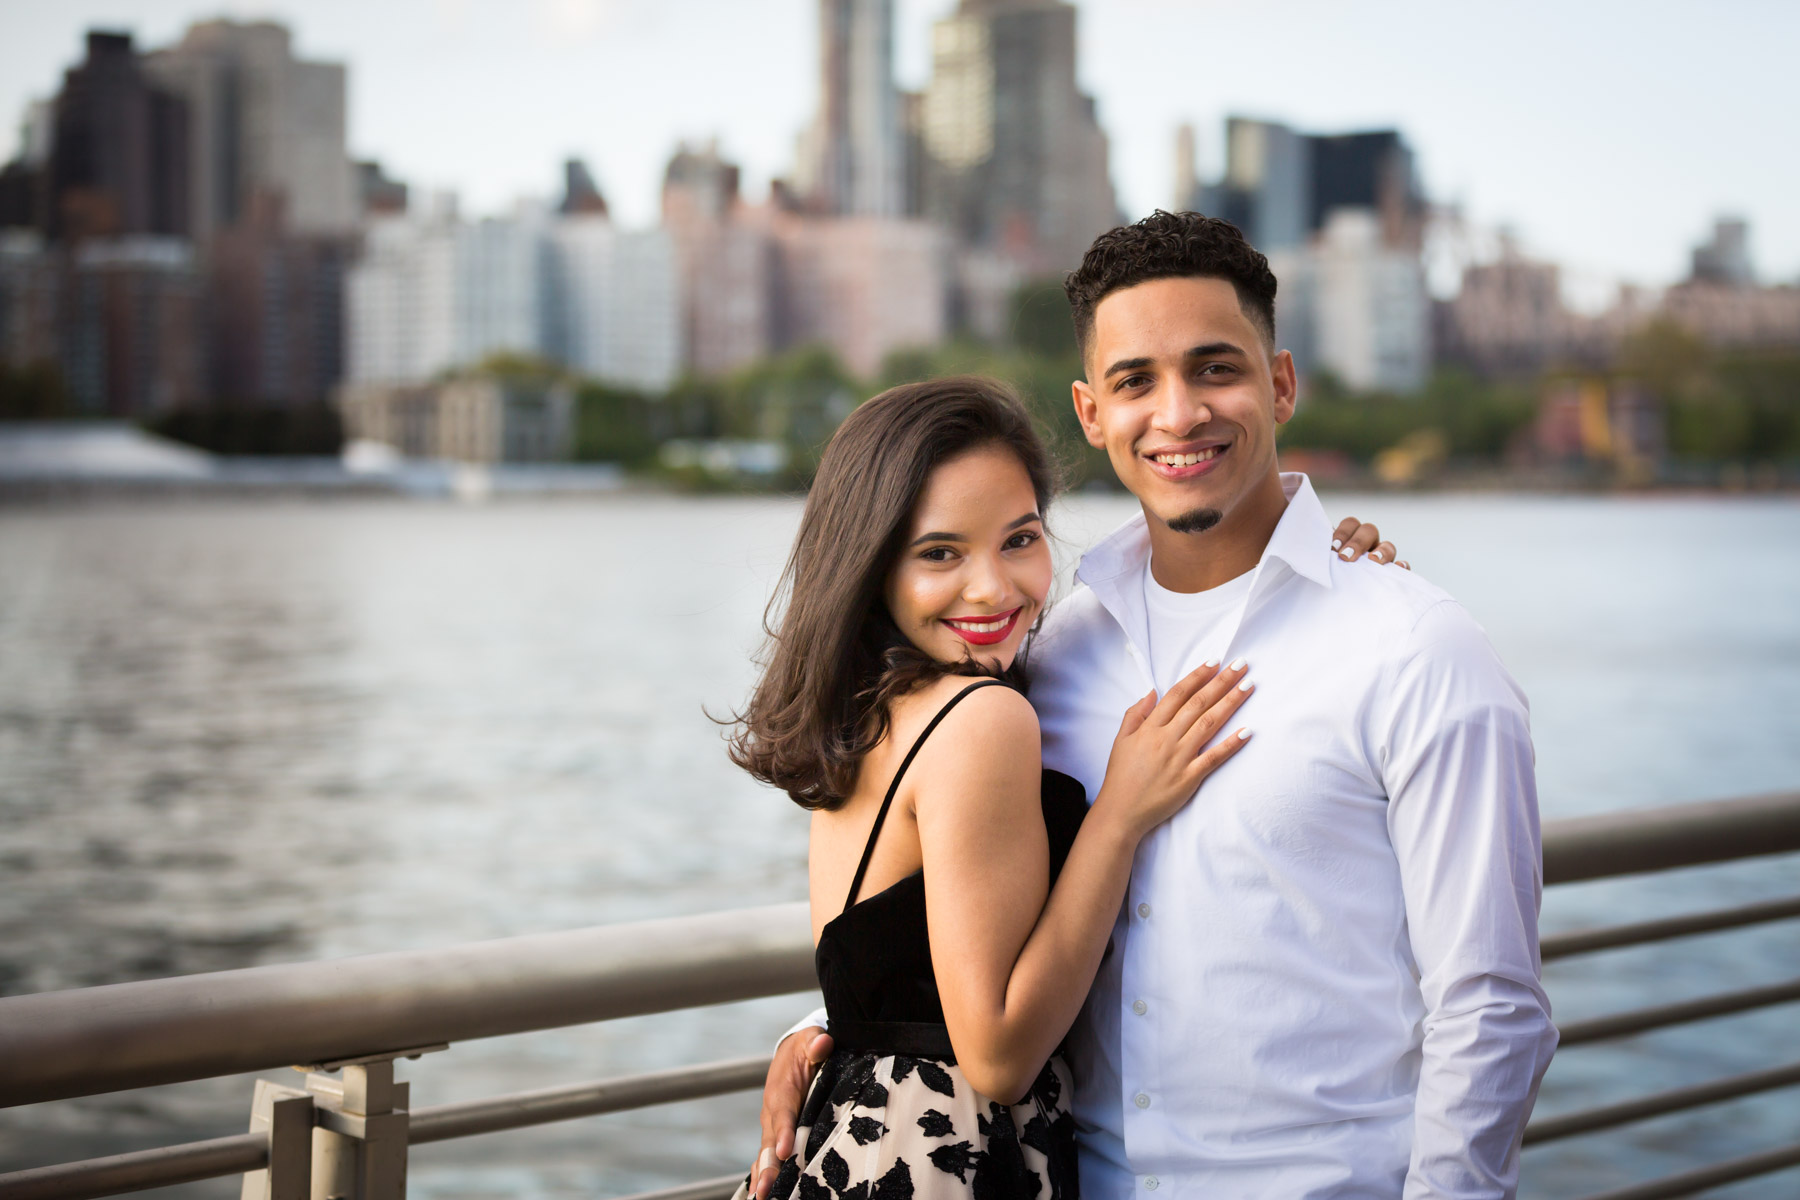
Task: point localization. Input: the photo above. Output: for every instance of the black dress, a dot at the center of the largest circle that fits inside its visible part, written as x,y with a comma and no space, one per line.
890,1115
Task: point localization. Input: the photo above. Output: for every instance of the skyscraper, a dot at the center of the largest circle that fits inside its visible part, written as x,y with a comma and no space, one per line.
852,157
261,122
1281,186
1187,171
1015,158
118,148
726,260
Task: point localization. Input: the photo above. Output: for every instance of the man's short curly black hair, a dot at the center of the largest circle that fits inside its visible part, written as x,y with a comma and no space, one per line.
1166,245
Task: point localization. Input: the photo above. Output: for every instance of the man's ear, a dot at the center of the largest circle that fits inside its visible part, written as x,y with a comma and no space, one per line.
1287,386
1087,411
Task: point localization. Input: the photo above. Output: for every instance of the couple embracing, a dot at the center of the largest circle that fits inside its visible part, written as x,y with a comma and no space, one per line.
1064,954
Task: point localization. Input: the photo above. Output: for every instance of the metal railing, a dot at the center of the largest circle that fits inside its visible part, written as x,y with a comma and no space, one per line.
348,1136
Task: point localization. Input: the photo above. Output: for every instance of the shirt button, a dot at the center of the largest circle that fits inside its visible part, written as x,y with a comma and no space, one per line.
1151,1183
1141,1100
1139,1007
1144,911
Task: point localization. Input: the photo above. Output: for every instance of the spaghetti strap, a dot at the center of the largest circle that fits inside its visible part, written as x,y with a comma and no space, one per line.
894,787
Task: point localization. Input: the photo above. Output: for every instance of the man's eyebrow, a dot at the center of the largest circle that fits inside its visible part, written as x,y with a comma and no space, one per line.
1207,350
1212,348
942,536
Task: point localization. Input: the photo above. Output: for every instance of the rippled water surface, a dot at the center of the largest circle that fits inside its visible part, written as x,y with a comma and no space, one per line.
272,733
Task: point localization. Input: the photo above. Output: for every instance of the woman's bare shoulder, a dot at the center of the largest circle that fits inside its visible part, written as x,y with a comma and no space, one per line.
996,711
990,736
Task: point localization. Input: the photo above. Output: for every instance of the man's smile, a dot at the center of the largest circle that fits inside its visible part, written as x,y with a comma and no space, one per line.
1189,461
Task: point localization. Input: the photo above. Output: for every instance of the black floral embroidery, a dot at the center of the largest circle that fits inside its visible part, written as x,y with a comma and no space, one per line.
937,1124
937,1079
835,1170
1036,1134
859,1147
897,1184
957,1159
857,1076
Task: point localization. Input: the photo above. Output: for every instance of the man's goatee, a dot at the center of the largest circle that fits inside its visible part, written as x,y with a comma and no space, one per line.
1197,520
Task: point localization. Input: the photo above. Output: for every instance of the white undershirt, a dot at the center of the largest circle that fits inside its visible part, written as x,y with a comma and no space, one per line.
1189,628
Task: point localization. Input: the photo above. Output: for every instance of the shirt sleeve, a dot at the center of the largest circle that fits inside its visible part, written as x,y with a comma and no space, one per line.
814,1018
1462,813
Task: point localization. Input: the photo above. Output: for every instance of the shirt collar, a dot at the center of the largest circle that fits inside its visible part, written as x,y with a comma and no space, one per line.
1113,568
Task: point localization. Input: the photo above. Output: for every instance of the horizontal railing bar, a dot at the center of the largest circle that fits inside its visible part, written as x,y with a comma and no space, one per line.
1657,1017
1688,1182
1549,1129
128,1035
1677,835
140,1169
442,1122
707,1189
1586,941
82,1042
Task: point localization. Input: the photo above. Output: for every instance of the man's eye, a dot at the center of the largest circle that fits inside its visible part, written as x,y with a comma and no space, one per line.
1133,381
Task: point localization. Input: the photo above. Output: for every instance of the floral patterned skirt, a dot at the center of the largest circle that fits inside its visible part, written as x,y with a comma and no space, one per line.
889,1127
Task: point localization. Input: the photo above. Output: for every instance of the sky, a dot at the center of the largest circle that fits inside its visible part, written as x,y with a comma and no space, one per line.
1605,135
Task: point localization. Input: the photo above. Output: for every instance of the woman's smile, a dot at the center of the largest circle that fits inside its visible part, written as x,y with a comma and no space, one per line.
985,630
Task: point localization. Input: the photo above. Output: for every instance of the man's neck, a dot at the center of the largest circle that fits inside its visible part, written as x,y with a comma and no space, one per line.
1198,562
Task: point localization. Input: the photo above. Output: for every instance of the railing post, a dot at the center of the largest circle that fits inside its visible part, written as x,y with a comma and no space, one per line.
359,1144
285,1114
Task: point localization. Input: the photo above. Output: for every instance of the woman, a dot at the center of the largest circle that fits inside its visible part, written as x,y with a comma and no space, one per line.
961,901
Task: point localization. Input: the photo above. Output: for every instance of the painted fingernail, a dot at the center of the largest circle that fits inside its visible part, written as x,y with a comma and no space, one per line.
1375,554
1211,662
1347,553
1245,686
1238,665
1336,542
1244,735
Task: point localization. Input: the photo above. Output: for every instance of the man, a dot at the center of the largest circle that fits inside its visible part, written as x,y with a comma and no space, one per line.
1325,981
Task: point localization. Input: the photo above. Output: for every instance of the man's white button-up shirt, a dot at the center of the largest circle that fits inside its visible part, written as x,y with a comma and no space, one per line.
1324,980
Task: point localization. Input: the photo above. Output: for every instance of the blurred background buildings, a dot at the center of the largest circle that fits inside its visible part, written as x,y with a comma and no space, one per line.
186,239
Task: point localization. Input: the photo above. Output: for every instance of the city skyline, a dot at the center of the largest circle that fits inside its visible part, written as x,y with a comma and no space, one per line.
1654,164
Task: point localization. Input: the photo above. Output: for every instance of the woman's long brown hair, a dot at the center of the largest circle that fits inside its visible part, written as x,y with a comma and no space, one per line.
835,660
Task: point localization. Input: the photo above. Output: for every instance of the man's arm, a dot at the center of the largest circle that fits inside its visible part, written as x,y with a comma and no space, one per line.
797,1057
1462,814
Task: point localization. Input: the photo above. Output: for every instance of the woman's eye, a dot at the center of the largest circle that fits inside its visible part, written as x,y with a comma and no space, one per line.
1019,541
936,554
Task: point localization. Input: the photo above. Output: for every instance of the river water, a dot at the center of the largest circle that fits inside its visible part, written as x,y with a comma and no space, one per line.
270,732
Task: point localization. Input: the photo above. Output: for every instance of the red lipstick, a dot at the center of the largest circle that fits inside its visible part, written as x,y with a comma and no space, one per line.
985,636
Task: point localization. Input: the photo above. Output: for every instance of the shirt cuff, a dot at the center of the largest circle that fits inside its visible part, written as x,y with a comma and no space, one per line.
813,1019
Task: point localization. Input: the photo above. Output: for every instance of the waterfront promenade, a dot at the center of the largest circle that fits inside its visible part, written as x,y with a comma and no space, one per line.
283,732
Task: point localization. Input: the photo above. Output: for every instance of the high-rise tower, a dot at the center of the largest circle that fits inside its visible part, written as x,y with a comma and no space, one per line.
852,158
1016,160
263,124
